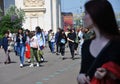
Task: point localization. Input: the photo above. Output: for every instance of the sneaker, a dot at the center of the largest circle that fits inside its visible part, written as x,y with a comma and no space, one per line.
31,65
29,60
62,54
38,65
42,59
63,58
73,58
57,53
21,65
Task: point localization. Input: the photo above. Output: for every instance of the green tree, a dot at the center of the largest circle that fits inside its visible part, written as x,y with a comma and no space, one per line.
12,19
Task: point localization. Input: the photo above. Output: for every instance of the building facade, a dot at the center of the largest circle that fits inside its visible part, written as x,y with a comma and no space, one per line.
43,13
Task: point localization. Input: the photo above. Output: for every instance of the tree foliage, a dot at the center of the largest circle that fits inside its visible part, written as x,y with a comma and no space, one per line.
12,19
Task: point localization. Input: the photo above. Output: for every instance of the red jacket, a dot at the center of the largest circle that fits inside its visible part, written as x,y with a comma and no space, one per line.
114,69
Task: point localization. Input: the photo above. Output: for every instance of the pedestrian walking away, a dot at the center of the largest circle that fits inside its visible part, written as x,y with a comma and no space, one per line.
41,42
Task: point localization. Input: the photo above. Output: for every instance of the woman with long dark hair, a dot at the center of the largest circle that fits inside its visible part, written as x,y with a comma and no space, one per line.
20,40
41,42
100,55
27,50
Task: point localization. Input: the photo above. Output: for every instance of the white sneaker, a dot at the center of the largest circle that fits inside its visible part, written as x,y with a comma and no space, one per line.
28,60
38,65
21,65
31,65
42,59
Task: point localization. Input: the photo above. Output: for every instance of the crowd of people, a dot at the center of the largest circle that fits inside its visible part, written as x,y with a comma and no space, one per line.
24,44
30,44
73,38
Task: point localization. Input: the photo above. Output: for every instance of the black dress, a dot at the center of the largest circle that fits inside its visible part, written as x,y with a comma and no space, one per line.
110,53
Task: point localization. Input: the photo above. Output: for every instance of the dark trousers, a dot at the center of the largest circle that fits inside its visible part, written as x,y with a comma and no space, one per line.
72,47
58,48
76,46
7,60
62,50
49,43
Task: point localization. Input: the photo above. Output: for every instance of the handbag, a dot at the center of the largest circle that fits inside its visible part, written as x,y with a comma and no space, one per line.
10,48
41,47
62,41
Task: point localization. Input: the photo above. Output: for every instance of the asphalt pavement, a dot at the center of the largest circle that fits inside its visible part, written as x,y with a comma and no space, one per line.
53,71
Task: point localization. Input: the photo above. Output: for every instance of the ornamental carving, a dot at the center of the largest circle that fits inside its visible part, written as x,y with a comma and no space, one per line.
34,3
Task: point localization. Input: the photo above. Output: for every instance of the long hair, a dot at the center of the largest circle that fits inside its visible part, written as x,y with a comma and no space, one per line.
20,33
62,34
38,29
102,15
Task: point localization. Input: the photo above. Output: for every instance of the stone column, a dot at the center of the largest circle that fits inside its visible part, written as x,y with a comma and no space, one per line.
55,15
60,17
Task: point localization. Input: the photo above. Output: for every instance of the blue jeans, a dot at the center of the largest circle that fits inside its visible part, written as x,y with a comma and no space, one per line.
52,46
21,51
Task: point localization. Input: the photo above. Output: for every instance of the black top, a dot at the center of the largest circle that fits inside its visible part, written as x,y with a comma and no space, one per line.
5,43
24,37
62,36
71,36
110,53
57,37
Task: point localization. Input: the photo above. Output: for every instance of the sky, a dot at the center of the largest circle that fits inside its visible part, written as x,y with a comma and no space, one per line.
74,5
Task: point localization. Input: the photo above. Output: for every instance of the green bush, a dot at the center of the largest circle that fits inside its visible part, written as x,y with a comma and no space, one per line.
1,36
12,20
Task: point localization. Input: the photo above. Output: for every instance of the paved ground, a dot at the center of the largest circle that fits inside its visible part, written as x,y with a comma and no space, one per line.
53,71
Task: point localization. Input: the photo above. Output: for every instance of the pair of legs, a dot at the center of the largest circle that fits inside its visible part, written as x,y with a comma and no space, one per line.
7,60
49,43
62,49
34,54
76,47
21,51
52,47
72,47
57,48
40,55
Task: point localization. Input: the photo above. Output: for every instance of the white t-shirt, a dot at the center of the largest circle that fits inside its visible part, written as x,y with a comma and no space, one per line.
34,42
52,39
